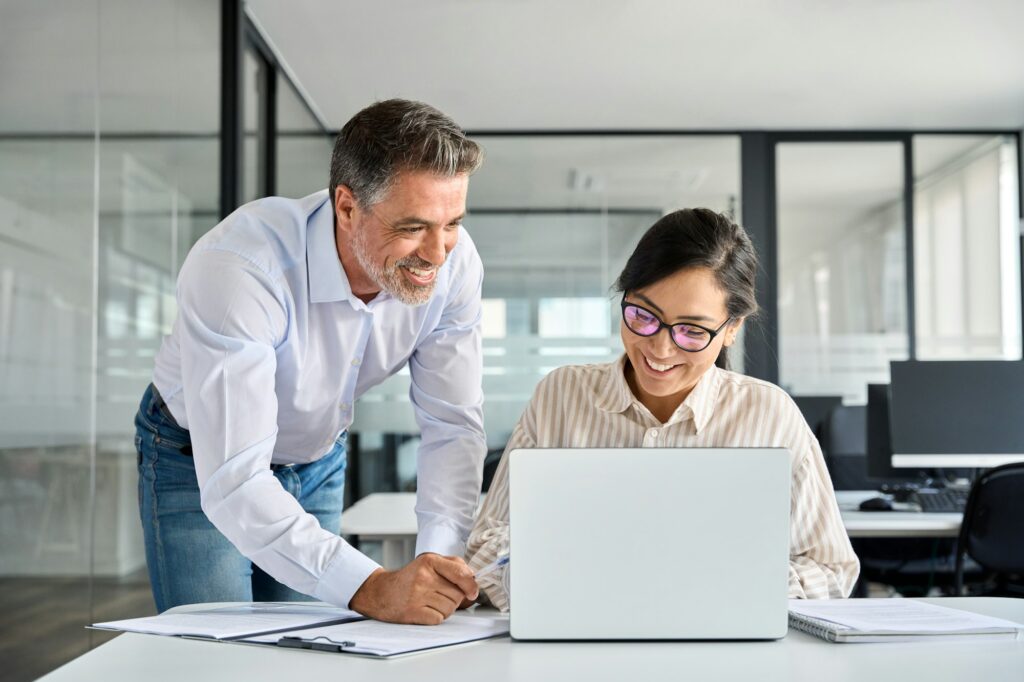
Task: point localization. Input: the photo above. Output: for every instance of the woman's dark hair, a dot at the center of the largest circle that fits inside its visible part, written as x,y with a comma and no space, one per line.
697,238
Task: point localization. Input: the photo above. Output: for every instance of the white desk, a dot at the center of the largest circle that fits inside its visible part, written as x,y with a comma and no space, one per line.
892,524
389,518
132,657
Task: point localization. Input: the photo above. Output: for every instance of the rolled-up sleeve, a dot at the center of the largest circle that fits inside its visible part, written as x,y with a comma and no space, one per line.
489,538
228,358
446,394
822,563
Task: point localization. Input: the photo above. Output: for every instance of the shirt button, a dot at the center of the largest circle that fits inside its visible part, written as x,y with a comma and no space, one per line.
355,362
344,407
653,433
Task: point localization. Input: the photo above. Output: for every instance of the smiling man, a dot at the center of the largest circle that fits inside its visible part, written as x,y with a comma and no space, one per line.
289,311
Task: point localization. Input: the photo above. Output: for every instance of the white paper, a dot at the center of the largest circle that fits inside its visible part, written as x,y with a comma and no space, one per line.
897,615
234,621
383,639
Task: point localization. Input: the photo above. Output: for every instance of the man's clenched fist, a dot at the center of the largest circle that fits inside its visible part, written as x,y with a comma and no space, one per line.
424,592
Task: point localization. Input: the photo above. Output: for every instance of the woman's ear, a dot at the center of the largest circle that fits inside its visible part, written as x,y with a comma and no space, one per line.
732,331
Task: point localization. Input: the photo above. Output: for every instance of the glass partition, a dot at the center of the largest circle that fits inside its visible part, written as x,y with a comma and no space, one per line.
108,174
841,266
47,310
303,148
966,247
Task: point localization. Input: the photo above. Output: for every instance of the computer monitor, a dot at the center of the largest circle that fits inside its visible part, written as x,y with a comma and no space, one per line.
815,408
879,440
950,414
879,444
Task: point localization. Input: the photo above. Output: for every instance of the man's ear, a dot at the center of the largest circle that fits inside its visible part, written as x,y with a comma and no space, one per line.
344,208
733,330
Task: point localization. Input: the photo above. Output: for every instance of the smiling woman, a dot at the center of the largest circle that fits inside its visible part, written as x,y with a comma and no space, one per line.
692,276
696,268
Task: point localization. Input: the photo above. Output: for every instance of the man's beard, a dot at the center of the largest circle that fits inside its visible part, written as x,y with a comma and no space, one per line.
390,279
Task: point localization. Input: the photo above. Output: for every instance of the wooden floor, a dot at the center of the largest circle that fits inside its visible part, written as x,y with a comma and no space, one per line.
42,621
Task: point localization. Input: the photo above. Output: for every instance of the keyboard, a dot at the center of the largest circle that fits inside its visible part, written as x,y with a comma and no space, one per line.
940,500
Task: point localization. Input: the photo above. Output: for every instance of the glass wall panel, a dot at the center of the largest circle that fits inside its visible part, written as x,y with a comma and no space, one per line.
107,176
303,148
841,266
966,247
554,219
47,309
251,92
158,192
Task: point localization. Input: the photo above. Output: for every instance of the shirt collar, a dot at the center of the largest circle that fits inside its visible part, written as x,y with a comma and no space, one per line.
615,395
702,399
327,280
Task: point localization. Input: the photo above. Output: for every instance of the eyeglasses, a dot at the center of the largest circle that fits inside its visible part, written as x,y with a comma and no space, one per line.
692,338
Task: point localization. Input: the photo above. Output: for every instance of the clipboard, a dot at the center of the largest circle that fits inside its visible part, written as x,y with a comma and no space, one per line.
387,640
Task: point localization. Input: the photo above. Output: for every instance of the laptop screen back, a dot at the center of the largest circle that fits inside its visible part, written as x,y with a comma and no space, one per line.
649,543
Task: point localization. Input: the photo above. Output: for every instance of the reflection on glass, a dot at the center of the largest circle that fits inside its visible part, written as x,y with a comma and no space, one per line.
93,233
841,271
966,247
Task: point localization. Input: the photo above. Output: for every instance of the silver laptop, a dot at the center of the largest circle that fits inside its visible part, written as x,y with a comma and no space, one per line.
673,543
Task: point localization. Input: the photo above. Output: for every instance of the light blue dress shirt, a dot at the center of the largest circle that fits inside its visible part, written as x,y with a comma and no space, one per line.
267,357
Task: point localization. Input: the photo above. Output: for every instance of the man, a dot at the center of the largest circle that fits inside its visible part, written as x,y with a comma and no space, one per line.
288,311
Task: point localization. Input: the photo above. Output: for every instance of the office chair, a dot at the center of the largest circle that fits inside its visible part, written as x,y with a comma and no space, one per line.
992,532
491,462
911,566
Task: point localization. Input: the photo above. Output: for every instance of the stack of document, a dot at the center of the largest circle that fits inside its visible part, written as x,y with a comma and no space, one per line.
313,625
893,620
236,621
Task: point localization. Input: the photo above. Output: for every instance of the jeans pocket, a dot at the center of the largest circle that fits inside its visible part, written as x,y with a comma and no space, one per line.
165,412
170,455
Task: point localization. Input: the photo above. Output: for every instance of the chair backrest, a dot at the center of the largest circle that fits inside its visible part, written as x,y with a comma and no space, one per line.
993,528
844,444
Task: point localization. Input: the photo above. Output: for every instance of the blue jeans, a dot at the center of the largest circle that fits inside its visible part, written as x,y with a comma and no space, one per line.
189,560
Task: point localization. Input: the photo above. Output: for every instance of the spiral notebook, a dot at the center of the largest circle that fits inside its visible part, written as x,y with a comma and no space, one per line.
894,620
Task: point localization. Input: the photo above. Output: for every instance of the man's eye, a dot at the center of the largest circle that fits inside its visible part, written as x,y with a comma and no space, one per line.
453,226
413,229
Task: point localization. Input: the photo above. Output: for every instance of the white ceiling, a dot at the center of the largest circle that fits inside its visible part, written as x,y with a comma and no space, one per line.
536,64
530,64
626,172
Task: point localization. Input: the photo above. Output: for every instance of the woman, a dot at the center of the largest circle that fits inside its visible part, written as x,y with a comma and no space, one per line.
687,290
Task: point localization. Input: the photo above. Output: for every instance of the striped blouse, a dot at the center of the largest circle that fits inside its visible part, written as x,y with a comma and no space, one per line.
592,406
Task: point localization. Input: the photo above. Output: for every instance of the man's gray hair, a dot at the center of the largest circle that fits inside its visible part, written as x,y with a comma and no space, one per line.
398,135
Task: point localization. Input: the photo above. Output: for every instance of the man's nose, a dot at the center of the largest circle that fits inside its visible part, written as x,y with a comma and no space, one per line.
433,248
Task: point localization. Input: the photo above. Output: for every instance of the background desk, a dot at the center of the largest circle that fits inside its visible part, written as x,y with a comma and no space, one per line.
797,657
892,524
390,518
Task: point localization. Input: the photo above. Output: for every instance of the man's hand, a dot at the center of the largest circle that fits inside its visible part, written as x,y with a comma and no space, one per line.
424,592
